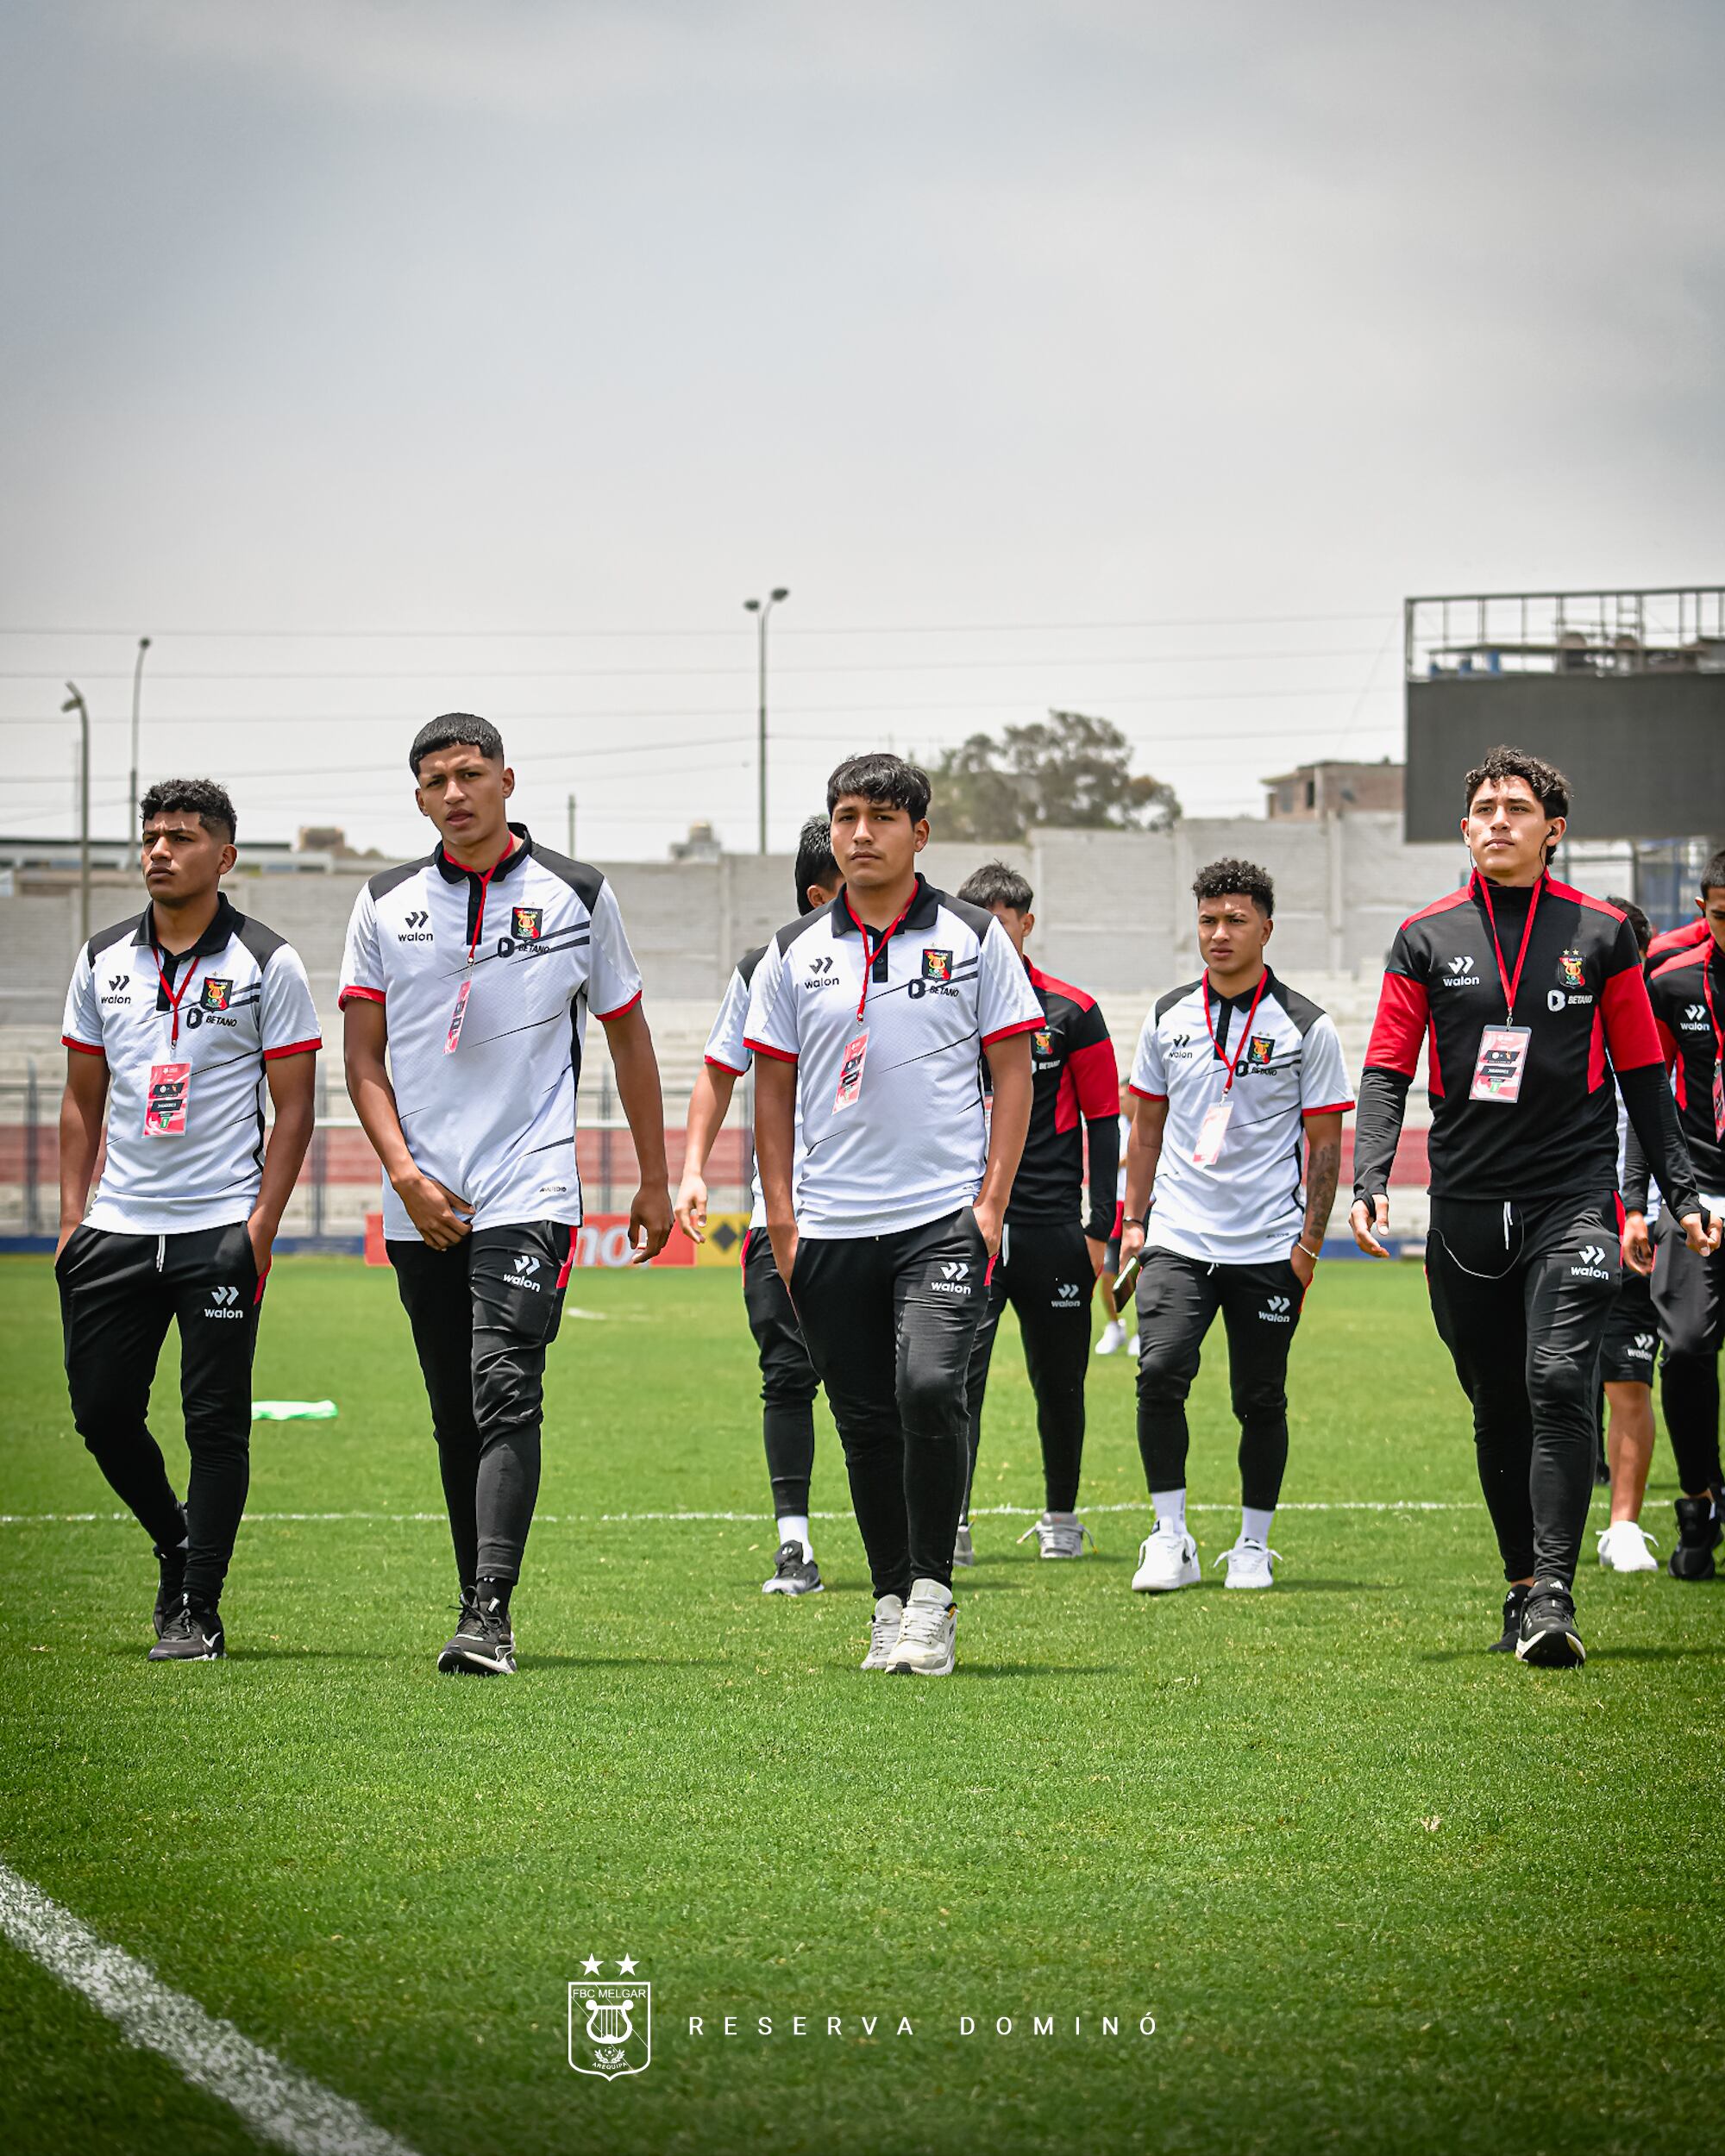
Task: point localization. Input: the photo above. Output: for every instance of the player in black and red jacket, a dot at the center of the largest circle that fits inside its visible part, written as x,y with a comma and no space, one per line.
1052,1251
1688,996
1521,991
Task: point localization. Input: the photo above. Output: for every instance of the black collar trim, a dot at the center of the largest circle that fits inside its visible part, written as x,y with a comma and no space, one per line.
453,872
918,914
224,924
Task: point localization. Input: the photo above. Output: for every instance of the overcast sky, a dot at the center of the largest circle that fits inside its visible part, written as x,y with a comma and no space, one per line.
1134,358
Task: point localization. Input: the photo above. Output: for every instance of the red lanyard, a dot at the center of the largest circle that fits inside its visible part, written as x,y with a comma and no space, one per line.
870,956
1246,1031
1511,982
173,995
484,886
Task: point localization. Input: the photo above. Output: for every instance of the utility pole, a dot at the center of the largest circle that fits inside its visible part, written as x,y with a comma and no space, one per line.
74,702
761,608
137,682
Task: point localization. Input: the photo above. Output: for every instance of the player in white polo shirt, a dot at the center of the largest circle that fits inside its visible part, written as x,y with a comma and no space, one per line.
788,1383
475,968
867,1019
1241,1091
177,1023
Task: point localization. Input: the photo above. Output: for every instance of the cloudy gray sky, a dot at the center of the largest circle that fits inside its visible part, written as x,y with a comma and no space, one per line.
1135,358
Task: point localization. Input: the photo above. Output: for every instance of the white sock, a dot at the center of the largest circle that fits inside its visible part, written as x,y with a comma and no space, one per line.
1170,1505
793,1527
1254,1523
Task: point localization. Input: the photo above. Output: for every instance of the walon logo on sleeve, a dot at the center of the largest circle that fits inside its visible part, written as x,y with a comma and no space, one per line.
936,965
526,922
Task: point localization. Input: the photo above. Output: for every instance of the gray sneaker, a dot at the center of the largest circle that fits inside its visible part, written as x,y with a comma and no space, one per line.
1059,1534
794,1573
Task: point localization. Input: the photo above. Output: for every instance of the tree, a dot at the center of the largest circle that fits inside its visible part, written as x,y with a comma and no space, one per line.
1071,771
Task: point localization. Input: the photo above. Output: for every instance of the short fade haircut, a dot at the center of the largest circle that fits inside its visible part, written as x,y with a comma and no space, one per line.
1546,783
995,884
1637,921
1713,875
1223,879
455,730
889,782
815,863
212,805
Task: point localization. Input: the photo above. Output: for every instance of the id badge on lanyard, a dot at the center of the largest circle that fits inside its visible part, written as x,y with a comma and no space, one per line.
851,1074
168,1100
452,1038
1719,1102
1212,1132
1503,1064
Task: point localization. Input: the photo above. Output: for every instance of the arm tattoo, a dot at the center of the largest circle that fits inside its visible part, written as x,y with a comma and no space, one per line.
1322,1169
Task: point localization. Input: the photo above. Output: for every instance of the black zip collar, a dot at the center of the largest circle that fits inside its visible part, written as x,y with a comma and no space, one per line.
918,914
453,872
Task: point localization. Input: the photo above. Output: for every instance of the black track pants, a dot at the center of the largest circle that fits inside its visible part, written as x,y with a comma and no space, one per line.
1689,1301
788,1383
1178,1297
1044,1270
118,1295
889,1320
1522,1294
483,1315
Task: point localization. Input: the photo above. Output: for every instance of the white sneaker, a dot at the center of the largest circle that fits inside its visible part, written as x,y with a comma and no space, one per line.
883,1633
1248,1564
928,1637
1059,1534
1167,1559
1131,1347
1624,1546
1112,1334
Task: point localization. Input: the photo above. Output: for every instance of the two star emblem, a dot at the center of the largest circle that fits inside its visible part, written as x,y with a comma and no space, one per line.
593,1964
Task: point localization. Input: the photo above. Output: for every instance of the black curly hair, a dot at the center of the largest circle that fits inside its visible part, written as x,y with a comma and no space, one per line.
1222,878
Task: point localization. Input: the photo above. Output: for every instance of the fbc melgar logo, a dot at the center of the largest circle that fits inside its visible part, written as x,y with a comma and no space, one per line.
611,2024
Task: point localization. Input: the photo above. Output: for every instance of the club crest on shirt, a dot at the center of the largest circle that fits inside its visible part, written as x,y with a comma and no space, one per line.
936,965
1569,969
1259,1051
526,922
215,995
1044,1041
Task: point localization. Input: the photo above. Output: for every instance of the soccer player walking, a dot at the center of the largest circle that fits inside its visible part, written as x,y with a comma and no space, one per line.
867,1020
177,1023
788,1383
1050,1250
1527,989
1240,1084
1688,997
475,968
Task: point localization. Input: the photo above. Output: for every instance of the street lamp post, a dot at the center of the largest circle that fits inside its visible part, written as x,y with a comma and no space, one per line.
137,683
74,702
761,608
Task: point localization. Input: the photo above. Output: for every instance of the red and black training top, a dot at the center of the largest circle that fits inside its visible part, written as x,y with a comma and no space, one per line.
1688,996
1582,998
1074,1086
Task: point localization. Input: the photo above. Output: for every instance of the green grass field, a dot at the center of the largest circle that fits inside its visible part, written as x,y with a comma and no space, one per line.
1379,1891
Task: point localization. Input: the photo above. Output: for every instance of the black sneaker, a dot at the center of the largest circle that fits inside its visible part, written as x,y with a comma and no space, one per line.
189,1634
1514,1603
483,1645
792,1573
1698,1537
1549,1639
172,1589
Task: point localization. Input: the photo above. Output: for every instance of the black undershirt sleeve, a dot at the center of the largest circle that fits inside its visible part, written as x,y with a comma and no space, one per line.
1377,1130
1635,1178
1102,1137
1653,1124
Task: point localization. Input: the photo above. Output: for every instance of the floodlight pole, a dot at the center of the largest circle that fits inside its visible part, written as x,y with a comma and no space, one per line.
761,608
74,702
137,683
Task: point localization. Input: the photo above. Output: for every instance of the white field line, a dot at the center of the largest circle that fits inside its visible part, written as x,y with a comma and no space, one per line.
751,1519
278,2103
